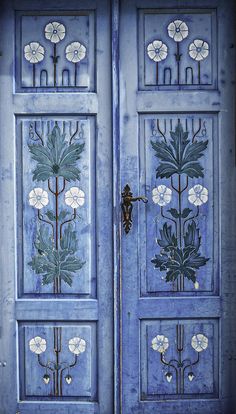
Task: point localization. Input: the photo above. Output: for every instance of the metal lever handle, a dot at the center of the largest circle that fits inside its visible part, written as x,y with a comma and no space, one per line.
127,206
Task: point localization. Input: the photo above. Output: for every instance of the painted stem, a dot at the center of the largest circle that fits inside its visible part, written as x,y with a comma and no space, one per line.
56,193
67,367
75,74
34,75
57,350
181,281
179,365
67,221
178,56
40,217
57,281
55,64
199,72
157,74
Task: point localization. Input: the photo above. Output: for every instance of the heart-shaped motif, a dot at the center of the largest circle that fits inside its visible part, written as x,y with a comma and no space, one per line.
191,376
46,378
169,376
68,379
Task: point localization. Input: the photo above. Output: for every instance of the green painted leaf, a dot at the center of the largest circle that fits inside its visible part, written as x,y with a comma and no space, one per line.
69,241
50,215
160,261
194,151
167,239
182,261
43,241
174,212
51,263
63,214
165,170
70,173
57,158
193,170
180,156
192,236
72,264
186,212
48,278
164,151
66,276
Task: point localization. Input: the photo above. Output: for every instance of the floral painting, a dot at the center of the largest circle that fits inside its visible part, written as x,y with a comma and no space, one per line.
55,163
179,240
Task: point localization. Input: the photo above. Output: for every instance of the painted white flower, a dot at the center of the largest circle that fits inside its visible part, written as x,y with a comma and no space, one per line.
161,195
38,345
74,197
160,343
157,51
77,345
75,52
199,342
178,30
198,195
34,52
38,198
55,32
198,50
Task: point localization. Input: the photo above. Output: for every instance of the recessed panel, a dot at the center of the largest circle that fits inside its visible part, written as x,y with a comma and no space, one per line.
179,359
177,50
56,206
179,173
55,52
58,361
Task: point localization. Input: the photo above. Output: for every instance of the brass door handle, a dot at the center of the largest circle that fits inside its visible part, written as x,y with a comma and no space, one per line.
127,206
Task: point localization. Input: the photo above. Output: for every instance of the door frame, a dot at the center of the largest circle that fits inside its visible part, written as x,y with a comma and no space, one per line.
116,191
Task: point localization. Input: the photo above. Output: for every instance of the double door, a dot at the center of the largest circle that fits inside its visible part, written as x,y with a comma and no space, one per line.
117,207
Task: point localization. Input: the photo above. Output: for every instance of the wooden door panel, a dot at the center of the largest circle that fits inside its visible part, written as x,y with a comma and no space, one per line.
179,66
56,66
187,372
166,194
57,346
170,92
57,337
39,220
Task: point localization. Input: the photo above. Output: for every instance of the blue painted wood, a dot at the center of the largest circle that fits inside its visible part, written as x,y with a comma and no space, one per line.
116,205
150,306
31,310
79,27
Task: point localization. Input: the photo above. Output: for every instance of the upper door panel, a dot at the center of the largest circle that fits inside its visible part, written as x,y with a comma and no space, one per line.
55,51
177,50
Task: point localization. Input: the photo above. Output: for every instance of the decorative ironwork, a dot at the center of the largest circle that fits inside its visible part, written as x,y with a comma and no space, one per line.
158,51
127,206
54,370
56,242
34,53
179,239
179,367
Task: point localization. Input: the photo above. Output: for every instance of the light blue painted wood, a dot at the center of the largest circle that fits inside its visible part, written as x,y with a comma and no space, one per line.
150,306
147,307
116,203
31,310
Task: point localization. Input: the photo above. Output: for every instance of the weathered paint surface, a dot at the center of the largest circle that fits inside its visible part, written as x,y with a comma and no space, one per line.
119,366
160,89
45,370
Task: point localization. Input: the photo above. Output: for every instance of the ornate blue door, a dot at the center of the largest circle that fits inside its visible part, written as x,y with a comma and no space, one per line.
178,260
117,112
56,283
